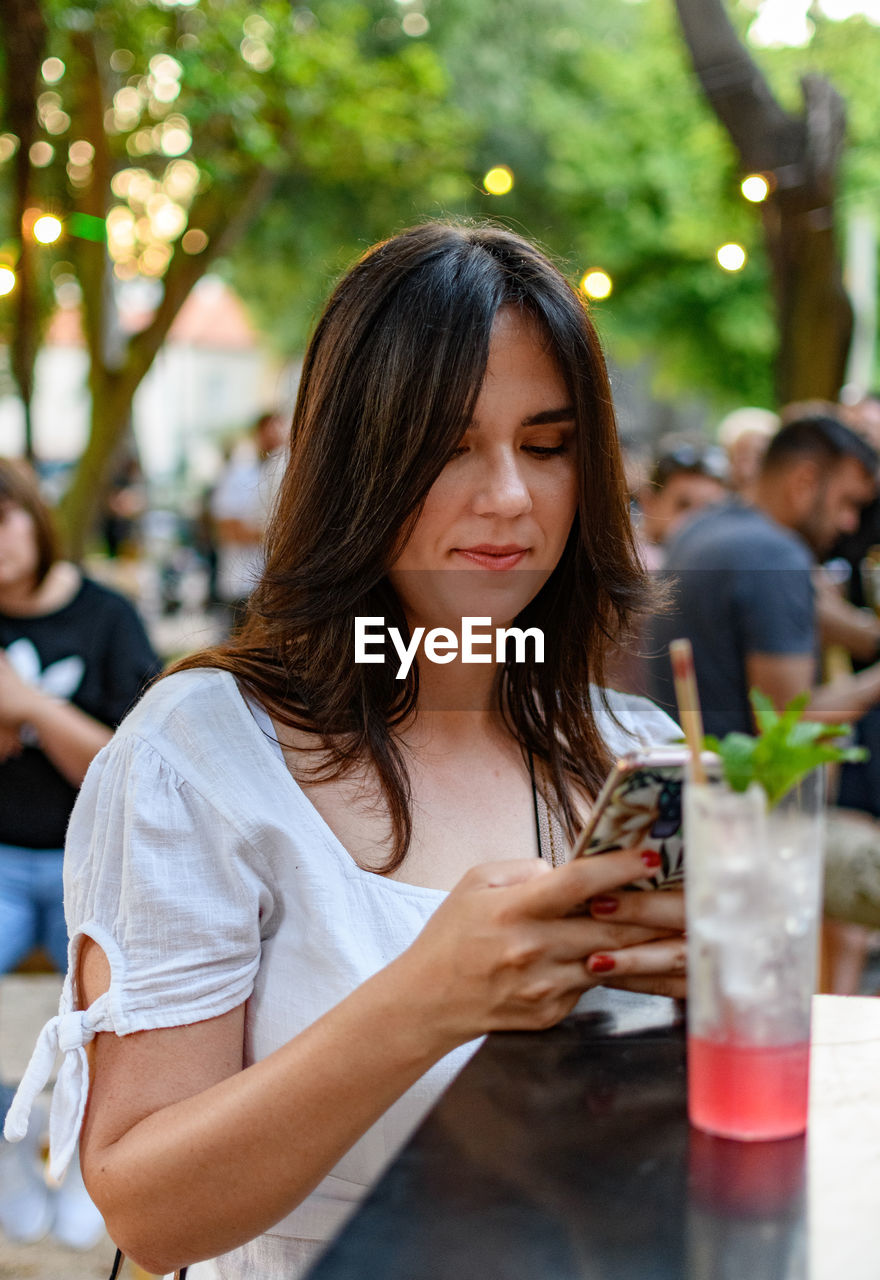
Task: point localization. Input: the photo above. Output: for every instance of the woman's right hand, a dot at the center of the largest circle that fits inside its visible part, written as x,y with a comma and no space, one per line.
511,946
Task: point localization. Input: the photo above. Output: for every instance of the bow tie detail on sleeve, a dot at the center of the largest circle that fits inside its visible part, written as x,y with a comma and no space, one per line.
67,1033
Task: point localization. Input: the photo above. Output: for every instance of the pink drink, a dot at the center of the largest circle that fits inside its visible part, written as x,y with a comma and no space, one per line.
746,1091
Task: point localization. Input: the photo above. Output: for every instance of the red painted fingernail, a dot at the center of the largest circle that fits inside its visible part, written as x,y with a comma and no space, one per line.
651,858
600,964
604,906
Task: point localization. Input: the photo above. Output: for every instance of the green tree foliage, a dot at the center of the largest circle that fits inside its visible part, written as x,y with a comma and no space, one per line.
618,163
314,131
170,123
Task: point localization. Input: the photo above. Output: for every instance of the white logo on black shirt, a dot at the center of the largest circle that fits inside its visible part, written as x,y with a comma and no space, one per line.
60,679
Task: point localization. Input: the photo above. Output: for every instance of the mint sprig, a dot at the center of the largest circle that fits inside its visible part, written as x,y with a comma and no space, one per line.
785,749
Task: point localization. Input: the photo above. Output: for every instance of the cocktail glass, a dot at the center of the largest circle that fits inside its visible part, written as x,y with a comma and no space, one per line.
753,894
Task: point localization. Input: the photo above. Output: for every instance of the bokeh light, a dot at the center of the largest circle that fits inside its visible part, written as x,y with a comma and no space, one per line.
167,219
81,152
194,241
256,53
175,137
154,259
415,24
256,26
41,154
163,83
499,180
52,70
121,236
731,256
47,229
122,60
755,188
57,122
7,281
181,179
127,270
596,283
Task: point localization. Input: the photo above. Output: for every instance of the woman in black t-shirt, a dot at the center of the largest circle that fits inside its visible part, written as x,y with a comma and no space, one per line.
73,658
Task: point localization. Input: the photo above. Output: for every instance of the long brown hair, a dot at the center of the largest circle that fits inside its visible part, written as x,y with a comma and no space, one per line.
388,384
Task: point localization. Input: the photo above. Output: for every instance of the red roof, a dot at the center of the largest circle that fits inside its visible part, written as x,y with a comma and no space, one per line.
212,316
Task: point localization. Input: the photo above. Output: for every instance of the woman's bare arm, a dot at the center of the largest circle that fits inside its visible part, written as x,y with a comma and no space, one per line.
65,734
187,1155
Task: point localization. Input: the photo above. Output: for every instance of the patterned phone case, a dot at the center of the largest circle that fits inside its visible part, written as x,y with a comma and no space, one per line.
643,807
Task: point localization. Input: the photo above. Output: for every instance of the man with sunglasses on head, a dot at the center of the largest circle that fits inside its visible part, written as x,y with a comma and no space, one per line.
686,476
742,581
747,591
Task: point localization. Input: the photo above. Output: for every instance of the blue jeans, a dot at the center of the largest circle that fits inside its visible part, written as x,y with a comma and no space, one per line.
31,905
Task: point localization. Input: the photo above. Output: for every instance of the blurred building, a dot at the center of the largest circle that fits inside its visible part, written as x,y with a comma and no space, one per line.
212,377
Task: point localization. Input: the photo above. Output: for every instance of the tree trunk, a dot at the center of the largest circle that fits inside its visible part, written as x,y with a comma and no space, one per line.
225,217
24,45
800,157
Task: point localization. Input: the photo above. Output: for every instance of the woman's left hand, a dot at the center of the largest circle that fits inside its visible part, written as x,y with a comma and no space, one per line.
659,962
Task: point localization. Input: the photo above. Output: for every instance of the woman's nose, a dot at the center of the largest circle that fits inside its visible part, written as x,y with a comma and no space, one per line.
502,488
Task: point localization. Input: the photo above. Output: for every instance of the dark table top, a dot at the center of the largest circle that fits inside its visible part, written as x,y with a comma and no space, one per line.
566,1155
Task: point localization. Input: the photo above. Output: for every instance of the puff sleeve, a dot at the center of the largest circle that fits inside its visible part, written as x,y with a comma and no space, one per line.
162,877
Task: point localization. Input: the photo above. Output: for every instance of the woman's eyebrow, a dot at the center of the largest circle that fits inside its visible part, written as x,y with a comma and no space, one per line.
537,419
550,415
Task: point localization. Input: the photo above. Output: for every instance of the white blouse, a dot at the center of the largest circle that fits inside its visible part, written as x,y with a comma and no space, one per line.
208,878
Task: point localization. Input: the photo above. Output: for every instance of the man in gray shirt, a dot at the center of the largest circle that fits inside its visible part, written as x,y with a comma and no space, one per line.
741,579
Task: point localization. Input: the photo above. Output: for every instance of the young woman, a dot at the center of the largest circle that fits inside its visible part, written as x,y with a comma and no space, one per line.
73,659
310,884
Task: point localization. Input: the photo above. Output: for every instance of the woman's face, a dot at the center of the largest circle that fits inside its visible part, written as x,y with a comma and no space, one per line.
19,553
497,518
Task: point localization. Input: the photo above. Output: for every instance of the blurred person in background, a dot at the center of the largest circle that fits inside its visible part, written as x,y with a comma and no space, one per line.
848,616
749,595
636,455
686,476
73,658
864,418
743,577
124,508
847,630
744,435
850,619
240,507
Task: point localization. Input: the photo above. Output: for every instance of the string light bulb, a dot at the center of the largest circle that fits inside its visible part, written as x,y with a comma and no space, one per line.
596,283
731,256
755,188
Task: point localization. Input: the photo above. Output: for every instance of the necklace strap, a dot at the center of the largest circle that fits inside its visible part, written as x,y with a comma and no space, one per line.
552,840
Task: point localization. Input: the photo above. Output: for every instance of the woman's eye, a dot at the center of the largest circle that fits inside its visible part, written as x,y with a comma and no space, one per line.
457,452
546,450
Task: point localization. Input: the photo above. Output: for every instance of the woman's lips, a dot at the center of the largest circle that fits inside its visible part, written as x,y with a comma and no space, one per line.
507,557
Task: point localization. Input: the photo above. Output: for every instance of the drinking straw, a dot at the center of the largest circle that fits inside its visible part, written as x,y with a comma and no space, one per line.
681,656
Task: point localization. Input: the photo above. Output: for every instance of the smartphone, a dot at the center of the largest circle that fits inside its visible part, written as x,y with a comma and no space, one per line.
640,803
